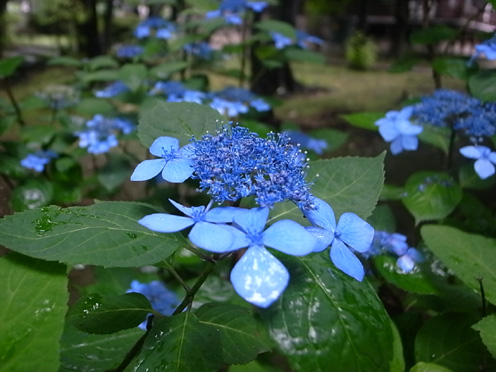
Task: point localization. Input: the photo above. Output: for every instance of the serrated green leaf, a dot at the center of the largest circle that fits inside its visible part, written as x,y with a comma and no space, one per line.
449,341
83,352
304,55
431,195
239,337
348,184
180,120
325,318
429,367
365,120
133,75
106,234
98,314
164,70
482,85
33,302
487,329
102,62
469,256
9,65
180,343
33,193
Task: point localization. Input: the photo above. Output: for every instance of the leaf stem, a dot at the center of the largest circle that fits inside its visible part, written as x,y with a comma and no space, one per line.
200,254
13,101
176,276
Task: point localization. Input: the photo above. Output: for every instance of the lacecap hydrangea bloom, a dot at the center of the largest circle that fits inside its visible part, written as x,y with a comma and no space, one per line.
232,101
112,90
155,26
232,10
177,92
199,49
38,160
485,159
161,298
129,51
302,39
487,48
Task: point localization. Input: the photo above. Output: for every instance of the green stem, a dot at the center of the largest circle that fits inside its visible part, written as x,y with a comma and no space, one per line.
12,99
176,276
200,254
132,353
451,147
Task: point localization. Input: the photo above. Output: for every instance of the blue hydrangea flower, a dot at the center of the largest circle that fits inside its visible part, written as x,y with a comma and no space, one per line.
99,135
163,28
199,49
129,51
280,41
235,163
484,159
161,298
350,234
112,90
176,164
59,96
258,276
177,92
303,39
397,129
486,48
231,10
38,160
206,233
407,261
232,101
306,141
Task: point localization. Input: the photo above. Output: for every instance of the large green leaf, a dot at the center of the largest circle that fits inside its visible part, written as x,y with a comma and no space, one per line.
33,301
471,257
326,320
102,62
433,35
487,329
181,120
271,25
83,352
164,70
180,343
133,75
240,339
429,367
348,184
436,136
449,341
431,195
101,315
483,85
106,234
9,65
364,120
455,67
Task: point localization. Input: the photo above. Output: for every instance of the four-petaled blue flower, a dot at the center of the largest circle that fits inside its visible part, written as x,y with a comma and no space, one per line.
258,276
397,129
485,159
38,160
176,164
487,48
350,234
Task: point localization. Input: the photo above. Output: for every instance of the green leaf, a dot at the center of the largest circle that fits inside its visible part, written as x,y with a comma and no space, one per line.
348,184
180,343
100,75
115,172
482,85
240,339
398,362
33,302
94,106
101,315
164,70
433,35
106,234
469,256
436,136
271,25
38,134
102,62
454,67
429,367
365,120
391,192
431,195
83,352
8,66
133,75
449,341
382,218
33,193
325,318
6,122
304,55
404,64
334,138
487,329
64,61
181,120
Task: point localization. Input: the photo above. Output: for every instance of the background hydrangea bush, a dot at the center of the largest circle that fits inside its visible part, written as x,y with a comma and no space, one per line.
216,242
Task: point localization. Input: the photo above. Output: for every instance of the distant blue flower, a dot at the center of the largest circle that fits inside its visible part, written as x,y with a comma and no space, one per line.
306,141
199,49
161,298
163,28
229,108
485,159
406,262
258,276
59,96
112,90
206,233
38,160
397,129
350,234
487,48
176,164
129,51
281,41
235,163
232,101
302,39
177,92
231,10
99,136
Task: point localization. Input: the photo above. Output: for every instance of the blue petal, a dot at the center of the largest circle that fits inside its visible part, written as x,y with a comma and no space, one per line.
346,261
484,168
211,237
324,237
224,214
178,170
471,152
322,215
409,142
147,169
187,151
289,237
388,131
164,143
405,113
259,277
187,211
355,232
415,255
405,263
396,146
253,220
166,223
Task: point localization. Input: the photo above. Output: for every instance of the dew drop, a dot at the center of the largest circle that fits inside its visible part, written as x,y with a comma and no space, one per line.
132,235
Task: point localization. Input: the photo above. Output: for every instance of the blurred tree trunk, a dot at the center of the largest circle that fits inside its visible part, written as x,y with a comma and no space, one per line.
89,42
3,26
268,81
107,25
399,36
362,15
